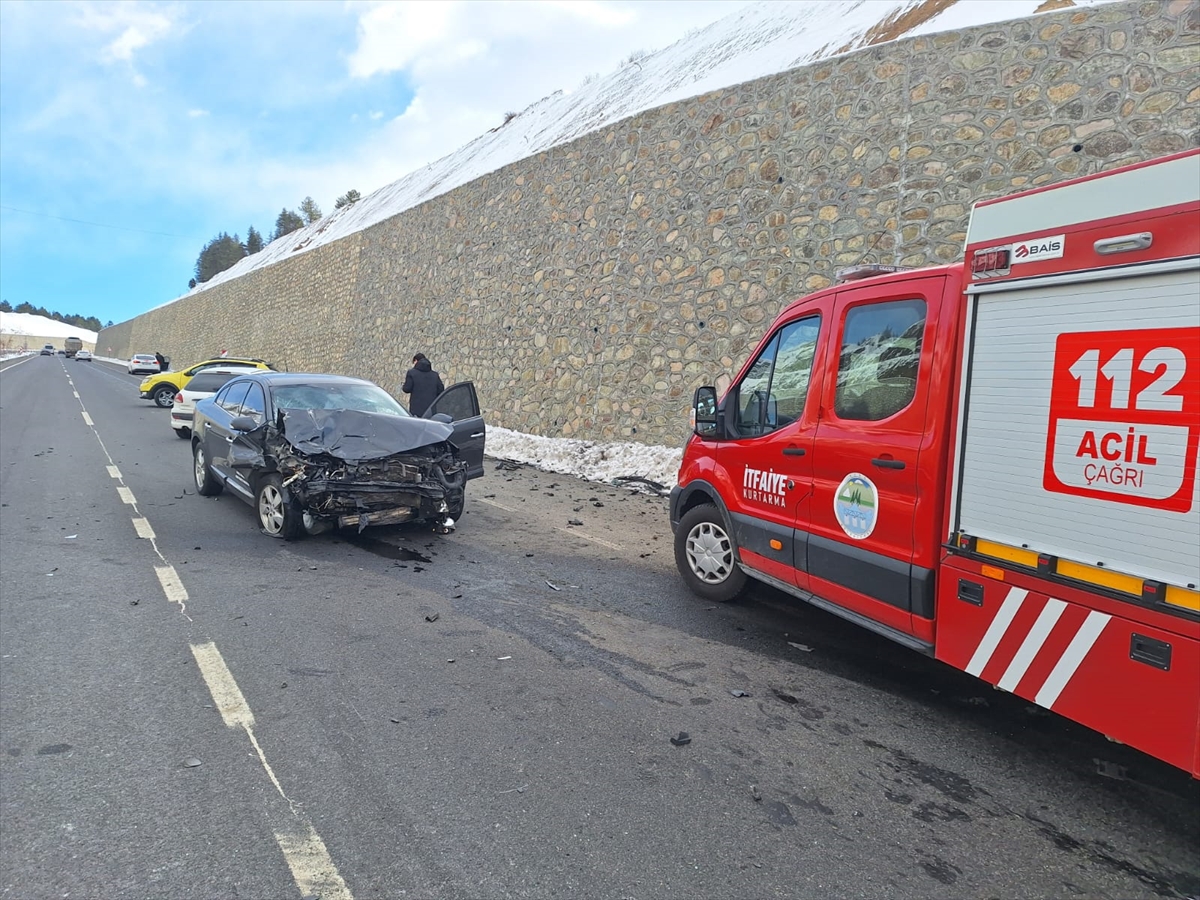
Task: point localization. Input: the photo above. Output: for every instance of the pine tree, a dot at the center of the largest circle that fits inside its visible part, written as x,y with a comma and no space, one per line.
286,223
254,241
218,255
4,306
310,210
25,307
351,196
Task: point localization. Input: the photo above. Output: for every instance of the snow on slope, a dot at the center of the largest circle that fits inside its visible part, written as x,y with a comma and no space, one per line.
40,326
757,40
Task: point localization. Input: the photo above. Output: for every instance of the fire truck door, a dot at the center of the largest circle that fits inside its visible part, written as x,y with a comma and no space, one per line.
771,420
865,461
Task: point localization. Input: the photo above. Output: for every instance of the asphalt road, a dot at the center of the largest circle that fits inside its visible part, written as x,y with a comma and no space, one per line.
517,745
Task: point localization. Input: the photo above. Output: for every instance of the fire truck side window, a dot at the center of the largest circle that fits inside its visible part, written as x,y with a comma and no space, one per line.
773,392
877,368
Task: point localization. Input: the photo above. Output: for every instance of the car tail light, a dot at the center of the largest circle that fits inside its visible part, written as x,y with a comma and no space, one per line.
179,397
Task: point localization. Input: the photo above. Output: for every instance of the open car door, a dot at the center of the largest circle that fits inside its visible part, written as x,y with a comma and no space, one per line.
461,404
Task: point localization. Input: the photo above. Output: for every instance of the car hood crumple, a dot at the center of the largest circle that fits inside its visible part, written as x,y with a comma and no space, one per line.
353,435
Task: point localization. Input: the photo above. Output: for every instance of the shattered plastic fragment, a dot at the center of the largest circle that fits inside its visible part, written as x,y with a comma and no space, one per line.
190,763
433,617
684,738
553,587
740,693
803,647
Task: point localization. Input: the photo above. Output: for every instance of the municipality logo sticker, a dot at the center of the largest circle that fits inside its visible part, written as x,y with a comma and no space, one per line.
856,505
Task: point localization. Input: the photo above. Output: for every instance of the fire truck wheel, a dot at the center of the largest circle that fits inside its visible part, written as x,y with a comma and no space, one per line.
706,555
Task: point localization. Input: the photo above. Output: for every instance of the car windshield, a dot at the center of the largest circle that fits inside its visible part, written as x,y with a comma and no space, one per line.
343,395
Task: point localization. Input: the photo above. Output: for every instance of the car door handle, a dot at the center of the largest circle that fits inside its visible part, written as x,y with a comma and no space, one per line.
888,463
794,451
478,434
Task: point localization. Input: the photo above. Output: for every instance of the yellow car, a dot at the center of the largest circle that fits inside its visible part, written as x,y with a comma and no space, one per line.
161,387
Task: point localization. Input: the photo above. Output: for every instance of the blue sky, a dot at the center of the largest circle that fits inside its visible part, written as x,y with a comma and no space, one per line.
133,133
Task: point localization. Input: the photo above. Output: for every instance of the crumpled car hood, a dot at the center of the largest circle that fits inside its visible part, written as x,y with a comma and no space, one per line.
352,435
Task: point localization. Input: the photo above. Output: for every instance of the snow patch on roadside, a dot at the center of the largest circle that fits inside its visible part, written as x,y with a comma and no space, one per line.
590,460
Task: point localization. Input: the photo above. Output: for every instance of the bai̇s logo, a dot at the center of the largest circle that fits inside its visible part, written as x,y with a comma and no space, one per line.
1039,248
856,505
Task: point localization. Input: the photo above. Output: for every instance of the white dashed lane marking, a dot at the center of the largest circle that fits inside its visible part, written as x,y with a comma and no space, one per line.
307,857
142,526
126,496
114,472
86,417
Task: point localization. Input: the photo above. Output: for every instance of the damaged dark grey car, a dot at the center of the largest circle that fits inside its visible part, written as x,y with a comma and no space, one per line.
314,452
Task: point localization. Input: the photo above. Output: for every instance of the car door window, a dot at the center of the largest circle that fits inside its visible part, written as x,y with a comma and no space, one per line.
880,355
458,402
773,392
255,404
233,397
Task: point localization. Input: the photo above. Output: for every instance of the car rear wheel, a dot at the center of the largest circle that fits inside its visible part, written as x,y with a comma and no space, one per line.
206,483
277,513
164,395
707,556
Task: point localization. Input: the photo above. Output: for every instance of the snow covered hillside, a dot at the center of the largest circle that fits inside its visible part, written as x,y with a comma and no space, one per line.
758,40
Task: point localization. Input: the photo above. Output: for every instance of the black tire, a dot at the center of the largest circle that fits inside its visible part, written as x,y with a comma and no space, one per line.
277,513
183,433
455,510
206,483
163,396
706,555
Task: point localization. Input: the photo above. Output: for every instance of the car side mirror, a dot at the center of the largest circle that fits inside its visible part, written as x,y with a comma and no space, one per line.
442,417
704,412
244,423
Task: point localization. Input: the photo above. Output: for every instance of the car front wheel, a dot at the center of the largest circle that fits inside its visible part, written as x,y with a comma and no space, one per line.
706,555
164,396
206,483
276,513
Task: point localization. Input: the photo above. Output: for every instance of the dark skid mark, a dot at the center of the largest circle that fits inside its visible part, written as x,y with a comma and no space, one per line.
304,670
51,749
951,784
386,550
1095,852
14,751
940,870
814,804
938,812
778,812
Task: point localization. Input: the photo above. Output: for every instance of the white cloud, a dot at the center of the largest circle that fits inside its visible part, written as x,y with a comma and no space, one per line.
197,113
136,25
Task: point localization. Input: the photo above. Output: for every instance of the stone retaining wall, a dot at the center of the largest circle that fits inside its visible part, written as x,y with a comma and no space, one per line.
587,290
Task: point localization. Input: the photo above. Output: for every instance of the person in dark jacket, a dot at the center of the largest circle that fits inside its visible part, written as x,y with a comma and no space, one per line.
422,385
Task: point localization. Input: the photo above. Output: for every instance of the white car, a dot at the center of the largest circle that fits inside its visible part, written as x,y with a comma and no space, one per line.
85,355
203,384
145,363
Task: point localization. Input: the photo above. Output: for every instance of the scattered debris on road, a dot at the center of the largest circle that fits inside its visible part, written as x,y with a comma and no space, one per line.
804,647
433,617
190,763
553,587
683,739
756,793
740,693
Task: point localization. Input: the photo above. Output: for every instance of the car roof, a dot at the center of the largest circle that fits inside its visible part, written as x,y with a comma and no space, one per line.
231,369
141,356
314,378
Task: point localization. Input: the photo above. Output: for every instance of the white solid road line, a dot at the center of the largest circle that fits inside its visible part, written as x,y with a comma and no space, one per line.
312,867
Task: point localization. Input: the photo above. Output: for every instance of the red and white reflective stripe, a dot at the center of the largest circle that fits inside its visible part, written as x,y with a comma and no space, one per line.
1033,642
991,638
1066,666
1084,638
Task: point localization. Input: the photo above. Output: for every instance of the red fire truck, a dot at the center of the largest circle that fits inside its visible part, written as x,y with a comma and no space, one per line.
992,462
